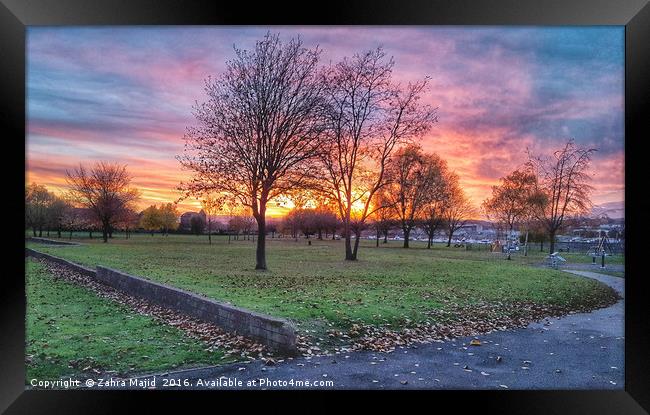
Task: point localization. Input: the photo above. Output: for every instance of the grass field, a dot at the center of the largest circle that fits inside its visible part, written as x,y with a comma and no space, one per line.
69,329
316,288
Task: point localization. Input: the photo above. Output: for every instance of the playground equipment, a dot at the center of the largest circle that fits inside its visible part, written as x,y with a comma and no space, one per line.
599,250
554,260
603,245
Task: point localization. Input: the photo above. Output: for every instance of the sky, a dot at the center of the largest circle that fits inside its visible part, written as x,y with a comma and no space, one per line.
125,94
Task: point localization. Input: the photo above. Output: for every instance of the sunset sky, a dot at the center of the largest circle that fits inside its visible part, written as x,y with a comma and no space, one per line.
126,95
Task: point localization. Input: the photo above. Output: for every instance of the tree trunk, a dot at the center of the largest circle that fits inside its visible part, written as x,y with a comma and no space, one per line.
70,235
90,234
348,248
356,245
526,244
34,230
59,231
48,232
378,236
429,240
552,241
407,235
40,232
209,232
105,234
260,254
348,242
449,240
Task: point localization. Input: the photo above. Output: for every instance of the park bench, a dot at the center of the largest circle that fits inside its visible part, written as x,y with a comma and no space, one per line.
554,260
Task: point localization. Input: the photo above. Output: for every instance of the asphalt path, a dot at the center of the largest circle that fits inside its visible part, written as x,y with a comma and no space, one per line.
578,351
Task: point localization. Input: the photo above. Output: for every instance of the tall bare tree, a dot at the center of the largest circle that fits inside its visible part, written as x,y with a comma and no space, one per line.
104,190
563,188
369,117
511,201
412,177
260,128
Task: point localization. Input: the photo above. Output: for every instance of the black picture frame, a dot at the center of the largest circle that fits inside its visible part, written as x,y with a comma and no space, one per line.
16,15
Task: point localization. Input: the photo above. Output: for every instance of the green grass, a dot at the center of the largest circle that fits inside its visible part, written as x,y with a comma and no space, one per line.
68,325
314,286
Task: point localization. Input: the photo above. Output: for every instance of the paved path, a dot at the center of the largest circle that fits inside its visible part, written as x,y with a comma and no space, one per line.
620,268
579,351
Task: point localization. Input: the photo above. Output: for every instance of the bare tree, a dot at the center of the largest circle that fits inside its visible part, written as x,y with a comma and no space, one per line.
324,219
212,205
369,117
260,128
412,177
458,208
383,216
104,190
510,203
563,188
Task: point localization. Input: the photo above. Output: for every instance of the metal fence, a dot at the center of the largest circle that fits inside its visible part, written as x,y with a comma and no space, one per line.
580,247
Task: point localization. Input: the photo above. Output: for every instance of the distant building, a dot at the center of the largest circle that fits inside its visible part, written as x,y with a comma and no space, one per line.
478,229
186,220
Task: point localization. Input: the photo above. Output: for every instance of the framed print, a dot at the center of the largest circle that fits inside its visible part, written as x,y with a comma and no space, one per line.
426,197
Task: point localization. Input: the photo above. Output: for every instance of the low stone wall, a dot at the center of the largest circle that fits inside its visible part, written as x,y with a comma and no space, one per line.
51,241
79,268
275,333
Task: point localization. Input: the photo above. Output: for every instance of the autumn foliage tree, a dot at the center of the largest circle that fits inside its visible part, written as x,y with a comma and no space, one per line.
511,201
37,203
260,128
104,190
168,218
151,219
412,180
458,208
128,220
369,117
439,199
